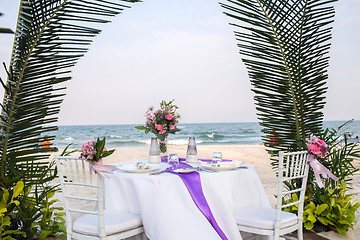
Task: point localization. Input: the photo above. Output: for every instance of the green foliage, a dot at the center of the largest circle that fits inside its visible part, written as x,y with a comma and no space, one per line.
284,45
100,149
8,201
339,161
335,208
313,213
52,222
31,209
51,36
67,152
331,205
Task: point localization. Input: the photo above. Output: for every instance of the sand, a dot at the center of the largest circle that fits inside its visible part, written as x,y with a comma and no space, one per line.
251,154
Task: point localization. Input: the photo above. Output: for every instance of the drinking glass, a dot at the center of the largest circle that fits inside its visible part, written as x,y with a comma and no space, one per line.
173,160
216,157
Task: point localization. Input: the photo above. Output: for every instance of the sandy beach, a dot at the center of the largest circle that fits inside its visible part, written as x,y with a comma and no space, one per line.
251,154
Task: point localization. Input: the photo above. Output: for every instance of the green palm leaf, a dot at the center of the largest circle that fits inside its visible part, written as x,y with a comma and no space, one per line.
51,36
284,45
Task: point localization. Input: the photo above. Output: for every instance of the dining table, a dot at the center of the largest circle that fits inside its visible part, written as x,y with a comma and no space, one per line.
168,208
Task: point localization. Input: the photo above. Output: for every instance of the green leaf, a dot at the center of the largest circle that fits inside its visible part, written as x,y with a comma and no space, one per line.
308,225
18,188
140,127
311,218
44,234
50,194
320,208
286,61
5,196
6,221
323,220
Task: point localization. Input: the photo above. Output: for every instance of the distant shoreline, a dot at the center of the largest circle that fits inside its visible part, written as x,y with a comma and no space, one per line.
138,124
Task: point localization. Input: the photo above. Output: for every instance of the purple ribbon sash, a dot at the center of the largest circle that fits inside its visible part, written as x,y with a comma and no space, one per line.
193,184
203,160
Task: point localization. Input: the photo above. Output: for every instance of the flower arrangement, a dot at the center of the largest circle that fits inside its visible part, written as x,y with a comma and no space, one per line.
316,146
162,122
93,150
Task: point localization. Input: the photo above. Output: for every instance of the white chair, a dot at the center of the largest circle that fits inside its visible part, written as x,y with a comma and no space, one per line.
97,223
274,221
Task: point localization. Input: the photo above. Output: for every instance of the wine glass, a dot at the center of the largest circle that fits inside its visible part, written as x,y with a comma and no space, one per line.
216,157
173,160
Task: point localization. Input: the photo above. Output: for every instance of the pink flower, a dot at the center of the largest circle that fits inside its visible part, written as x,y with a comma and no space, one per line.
316,146
172,127
169,117
162,132
159,127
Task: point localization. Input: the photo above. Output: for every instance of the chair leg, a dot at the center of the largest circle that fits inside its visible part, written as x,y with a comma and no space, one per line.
300,234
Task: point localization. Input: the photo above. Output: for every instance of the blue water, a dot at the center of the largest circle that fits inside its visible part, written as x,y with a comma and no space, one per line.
204,133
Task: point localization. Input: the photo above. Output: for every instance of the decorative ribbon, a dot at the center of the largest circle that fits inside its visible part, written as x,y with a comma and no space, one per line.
193,184
203,160
101,169
210,160
318,169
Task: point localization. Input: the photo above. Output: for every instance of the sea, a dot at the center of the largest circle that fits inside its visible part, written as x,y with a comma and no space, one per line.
242,133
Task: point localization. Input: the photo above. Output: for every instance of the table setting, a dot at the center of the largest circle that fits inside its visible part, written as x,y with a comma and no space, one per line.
185,198
182,197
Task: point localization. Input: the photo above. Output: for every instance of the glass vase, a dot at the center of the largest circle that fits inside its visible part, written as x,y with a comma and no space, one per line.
163,141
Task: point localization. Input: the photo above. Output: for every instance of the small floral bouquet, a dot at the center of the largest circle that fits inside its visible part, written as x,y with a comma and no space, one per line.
162,122
94,151
316,146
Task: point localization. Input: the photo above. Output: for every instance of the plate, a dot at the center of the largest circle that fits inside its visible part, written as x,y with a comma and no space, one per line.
185,170
225,166
131,168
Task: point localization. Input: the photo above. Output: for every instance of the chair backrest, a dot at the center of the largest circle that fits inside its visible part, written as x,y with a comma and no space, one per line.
292,166
78,183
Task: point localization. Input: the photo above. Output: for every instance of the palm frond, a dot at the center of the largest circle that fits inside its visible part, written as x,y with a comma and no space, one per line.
50,37
284,45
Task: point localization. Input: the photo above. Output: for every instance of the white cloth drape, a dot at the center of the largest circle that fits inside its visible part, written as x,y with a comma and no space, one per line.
168,211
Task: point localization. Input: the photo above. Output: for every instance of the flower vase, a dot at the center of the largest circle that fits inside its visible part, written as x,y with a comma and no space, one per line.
163,141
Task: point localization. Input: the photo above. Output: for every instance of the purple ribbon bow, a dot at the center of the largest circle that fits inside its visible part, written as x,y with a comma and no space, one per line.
318,169
193,184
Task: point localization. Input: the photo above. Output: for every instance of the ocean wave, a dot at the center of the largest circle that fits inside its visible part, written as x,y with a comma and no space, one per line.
210,135
181,142
145,141
68,138
115,136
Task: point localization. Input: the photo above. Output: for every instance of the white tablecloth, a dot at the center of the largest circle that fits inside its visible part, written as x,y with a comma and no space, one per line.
168,211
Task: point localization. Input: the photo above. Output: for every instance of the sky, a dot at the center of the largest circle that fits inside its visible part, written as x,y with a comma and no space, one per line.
184,50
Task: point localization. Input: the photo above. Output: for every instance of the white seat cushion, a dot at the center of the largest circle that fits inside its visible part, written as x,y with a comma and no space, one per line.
115,221
263,218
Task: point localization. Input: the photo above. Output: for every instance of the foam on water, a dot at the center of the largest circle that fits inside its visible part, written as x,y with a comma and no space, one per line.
204,133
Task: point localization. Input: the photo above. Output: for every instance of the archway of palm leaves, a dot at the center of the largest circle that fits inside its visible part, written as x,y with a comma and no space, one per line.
284,44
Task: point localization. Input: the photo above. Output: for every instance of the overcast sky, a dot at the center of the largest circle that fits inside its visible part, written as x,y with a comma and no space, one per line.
184,50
